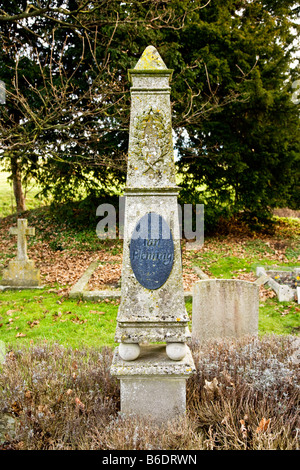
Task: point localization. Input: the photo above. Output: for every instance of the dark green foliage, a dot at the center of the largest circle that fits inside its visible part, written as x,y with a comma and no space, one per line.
245,156
236,125
82,213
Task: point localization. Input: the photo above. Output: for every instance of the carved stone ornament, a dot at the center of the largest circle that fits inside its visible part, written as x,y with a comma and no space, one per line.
150,145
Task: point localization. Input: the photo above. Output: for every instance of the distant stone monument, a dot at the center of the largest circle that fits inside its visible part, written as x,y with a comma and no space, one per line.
224,308
152,308
285,293
21,271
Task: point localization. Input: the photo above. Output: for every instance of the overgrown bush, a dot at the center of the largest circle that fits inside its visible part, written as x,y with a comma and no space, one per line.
244,395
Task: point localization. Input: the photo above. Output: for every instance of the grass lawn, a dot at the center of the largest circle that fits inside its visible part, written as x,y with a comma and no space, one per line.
30,316
27,317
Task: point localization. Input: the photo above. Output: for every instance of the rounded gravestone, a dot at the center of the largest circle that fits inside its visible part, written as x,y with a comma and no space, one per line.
152,251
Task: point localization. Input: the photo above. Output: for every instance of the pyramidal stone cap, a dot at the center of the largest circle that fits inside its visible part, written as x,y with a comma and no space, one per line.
150,62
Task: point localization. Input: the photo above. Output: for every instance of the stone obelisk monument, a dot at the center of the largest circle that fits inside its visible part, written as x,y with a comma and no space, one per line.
152,309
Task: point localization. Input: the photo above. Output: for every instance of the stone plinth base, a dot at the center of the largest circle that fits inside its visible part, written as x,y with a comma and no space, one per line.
153,386
21,273
151,332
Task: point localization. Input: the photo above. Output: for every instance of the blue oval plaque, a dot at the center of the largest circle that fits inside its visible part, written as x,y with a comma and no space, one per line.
152,251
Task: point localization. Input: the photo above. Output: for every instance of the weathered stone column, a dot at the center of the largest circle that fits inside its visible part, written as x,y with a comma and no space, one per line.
152,307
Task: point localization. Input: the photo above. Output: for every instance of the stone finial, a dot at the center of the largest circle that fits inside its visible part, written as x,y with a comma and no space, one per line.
148,64
150,60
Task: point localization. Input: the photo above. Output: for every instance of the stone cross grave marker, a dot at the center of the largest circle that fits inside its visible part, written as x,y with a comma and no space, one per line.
152,308
22,231
21,271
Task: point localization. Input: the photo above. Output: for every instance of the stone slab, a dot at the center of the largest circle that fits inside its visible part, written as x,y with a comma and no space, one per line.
200,273
263,279
147,332
284,292
260,271
81,284
94,295
79,289
224,308
152,361
3,288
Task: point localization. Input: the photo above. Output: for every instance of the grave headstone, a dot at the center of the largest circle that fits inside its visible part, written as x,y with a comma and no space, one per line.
21,271
152,307
224,308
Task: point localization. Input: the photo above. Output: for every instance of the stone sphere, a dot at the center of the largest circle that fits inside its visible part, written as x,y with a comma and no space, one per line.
129,351
176,351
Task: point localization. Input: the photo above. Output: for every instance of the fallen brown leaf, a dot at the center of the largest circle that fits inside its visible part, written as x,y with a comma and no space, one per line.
79,404
10,312
243,428
263,425
33,323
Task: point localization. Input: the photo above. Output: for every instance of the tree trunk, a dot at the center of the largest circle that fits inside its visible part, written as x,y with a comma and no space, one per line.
17,185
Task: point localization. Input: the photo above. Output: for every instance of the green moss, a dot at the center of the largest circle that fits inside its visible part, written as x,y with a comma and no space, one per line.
149,60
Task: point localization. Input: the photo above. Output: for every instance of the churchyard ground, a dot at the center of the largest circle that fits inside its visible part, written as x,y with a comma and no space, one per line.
55,383
63,253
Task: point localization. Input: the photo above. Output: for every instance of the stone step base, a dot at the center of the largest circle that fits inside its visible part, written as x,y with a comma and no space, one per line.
153,386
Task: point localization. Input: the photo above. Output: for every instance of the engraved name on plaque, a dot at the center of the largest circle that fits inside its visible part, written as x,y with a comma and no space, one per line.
152,251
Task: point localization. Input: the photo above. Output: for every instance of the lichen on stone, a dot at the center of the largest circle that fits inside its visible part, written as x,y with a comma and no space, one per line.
149,60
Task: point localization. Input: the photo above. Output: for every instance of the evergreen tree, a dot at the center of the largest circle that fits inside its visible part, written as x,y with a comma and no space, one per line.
67,114
245,156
